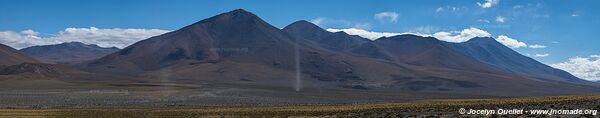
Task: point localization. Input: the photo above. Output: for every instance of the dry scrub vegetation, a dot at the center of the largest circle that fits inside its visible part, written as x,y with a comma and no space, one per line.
425,108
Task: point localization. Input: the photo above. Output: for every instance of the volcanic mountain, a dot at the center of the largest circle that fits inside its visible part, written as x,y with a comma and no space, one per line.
237,35
71,52
339,41
490,51
237,49
336,41
10,56
236,45
482,54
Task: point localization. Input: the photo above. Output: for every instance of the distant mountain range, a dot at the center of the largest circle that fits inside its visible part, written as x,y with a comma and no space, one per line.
237,49
70,52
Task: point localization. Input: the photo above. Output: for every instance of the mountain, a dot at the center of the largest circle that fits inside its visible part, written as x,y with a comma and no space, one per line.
237,35
10,56
234,45
239,52
430,54
71,52
489,51
428,51
336,41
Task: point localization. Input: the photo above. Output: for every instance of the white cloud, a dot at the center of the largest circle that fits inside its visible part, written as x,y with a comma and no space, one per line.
483,20
383,16
439,9
115,37
425,30
463,36
447,8
500,19
23,39
584,68
595,56
488,3
364,33
467,34
512,43
517,7
542,55
574,15
537,46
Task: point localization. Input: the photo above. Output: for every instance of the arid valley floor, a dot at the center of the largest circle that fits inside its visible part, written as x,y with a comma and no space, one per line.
426,108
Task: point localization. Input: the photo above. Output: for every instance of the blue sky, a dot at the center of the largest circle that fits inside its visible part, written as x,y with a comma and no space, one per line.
567,28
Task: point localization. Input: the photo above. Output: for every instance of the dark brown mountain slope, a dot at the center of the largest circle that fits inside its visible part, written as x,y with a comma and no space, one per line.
239,50
489,51
237,35
10,56
230,41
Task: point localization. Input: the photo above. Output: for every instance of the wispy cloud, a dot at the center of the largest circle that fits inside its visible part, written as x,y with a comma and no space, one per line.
447,9
500,19
425,29
537,46
387,16
542,55
115,37
483,21
488,3
574,15
318,21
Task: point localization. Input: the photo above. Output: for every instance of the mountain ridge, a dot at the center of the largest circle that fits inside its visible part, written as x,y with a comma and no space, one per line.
69,52
10,56
238,45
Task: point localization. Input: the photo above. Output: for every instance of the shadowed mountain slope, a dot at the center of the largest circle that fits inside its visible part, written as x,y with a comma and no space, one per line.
335,41
10,56
489,51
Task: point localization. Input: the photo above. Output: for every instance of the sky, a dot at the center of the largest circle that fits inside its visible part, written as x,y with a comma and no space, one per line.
560,33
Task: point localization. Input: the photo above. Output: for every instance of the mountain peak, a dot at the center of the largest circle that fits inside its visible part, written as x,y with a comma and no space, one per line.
237,18
410,37
239,10
239,14
304,26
